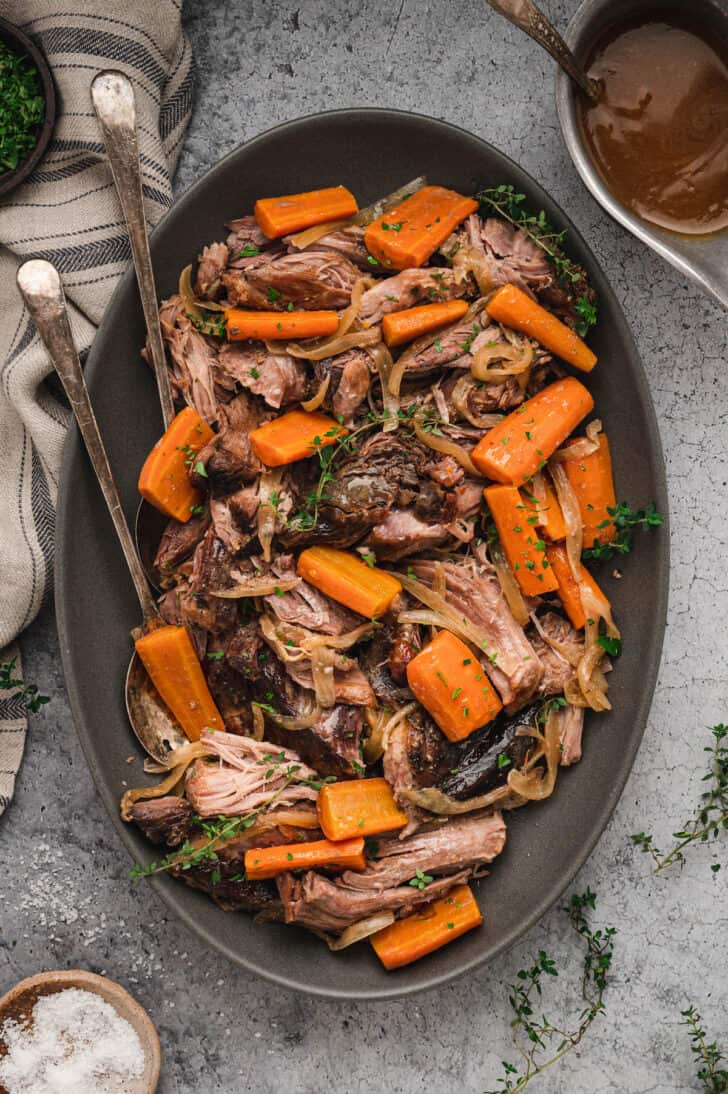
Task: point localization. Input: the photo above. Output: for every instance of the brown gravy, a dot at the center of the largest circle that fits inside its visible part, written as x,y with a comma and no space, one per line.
659,136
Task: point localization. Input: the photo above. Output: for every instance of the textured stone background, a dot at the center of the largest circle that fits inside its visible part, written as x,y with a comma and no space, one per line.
66,899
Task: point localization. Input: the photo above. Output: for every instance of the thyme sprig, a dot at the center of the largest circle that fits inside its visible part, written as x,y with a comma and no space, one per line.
625,521
713,1077
509,204
711,815
536,1037
29,695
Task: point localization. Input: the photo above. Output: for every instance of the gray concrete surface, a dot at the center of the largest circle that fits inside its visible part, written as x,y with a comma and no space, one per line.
66,899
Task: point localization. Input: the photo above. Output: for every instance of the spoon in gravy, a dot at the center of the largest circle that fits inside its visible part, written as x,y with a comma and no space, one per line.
527,17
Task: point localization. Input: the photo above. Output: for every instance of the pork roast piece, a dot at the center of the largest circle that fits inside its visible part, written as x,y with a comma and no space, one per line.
450,853
348,241
228,459
193,359
178,542
166,821
311,279
349,379
211,264
473,589
411,287
276,377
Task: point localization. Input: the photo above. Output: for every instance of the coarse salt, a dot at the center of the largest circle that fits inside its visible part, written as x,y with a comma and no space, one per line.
75,1043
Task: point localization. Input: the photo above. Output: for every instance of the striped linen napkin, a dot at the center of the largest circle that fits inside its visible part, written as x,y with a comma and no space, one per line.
67,212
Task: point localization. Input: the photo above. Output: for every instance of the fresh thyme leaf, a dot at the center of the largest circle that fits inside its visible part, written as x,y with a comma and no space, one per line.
613,646
625,520
538,1041
713,1077
711,815
509,204
29,696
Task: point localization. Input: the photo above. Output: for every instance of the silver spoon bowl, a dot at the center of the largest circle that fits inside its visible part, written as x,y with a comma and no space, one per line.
39,283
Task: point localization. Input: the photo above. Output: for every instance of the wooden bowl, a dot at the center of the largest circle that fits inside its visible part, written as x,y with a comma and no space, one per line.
21,999
20,43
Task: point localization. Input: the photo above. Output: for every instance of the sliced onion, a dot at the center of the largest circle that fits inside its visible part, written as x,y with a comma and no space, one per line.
459,399
272,629
359,931
445,446
304,239
144,793
509,585
355,340
268,483
390,394
441,613
467,261
258,723
582,446
257,586
530,785
518,357
322,672
435,801
191,302
572,518
316,401
336,641
299,721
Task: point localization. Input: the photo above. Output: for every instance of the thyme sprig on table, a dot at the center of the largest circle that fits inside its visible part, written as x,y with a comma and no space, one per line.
713,1077
539,1042
29,695
626,521
711,815
509,204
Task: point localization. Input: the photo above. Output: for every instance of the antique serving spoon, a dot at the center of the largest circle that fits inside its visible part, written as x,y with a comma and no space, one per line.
40,285
112,95
526,16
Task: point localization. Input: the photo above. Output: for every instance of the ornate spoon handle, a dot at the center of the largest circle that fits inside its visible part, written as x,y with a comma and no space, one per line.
113,97
42,291
525,15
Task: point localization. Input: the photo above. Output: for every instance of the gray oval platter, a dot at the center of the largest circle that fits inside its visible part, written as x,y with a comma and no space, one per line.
373,152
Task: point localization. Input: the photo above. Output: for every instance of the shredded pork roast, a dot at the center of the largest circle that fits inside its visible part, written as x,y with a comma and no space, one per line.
310,691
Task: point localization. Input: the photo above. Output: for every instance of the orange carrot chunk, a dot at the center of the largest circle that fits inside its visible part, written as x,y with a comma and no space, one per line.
524,549
169,657
451,685
524,440
593,484
164,480
344,577
404,326
546,513
513,308
569,588
407,235
294,436
406,940
274,326
358,807
264,862
294,212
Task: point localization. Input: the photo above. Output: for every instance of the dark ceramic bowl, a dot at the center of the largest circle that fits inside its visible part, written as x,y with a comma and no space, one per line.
373,152
21,43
